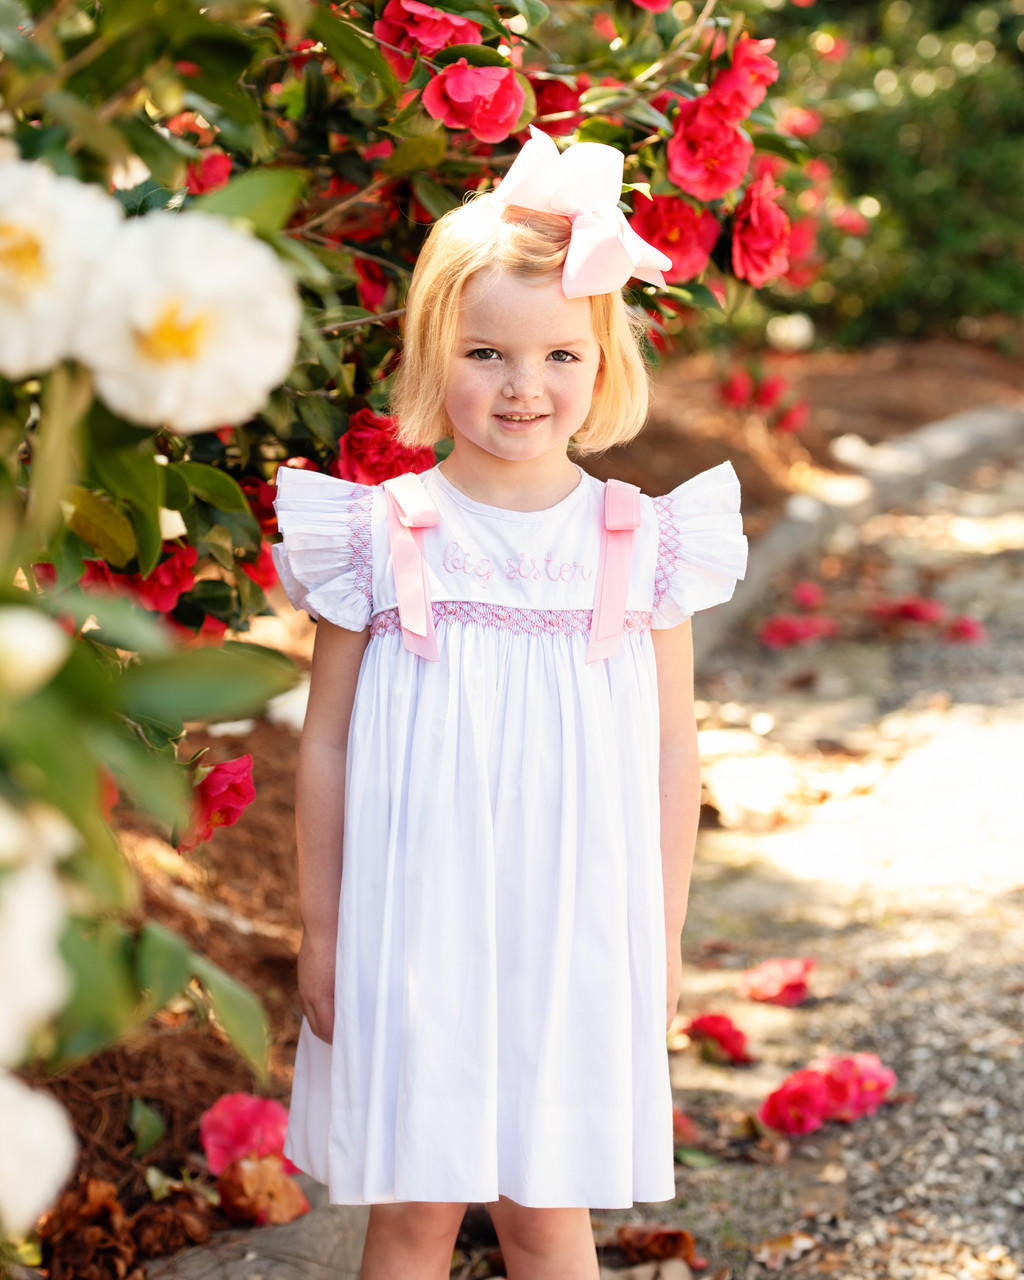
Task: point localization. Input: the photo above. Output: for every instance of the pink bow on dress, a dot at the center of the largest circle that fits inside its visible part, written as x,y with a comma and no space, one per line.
584,183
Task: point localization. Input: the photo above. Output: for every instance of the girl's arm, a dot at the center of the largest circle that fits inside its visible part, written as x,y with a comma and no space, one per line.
679,781
320,813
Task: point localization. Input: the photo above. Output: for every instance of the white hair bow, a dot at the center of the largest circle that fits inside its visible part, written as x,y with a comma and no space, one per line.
583,183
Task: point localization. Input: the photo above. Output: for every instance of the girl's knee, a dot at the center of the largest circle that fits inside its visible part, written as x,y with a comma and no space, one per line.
535,1230
424,1220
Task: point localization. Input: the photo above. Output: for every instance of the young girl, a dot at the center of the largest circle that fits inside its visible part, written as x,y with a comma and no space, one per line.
500,740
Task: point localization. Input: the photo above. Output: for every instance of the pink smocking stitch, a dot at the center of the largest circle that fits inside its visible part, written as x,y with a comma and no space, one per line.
361,544
527,622
669,553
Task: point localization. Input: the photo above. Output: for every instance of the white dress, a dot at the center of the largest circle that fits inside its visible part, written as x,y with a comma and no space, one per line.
500,994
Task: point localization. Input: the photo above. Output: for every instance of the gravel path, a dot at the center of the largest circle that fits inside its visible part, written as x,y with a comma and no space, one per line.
866,791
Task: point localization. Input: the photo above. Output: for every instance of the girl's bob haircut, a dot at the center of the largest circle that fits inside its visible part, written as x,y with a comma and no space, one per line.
486,235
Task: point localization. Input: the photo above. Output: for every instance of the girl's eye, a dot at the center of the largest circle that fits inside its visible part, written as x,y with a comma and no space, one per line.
482,353
562,357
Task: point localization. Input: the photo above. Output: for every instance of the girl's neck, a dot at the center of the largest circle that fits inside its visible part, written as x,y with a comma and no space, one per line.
530,485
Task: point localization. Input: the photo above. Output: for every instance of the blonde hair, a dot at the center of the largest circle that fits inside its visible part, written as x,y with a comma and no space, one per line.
484,234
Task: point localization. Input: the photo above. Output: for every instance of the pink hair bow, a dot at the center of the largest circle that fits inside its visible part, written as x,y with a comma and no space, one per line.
583,183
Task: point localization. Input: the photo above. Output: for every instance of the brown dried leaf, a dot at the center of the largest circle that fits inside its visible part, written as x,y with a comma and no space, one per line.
777,1251
258,1190
86,1235
639,1243
174,1223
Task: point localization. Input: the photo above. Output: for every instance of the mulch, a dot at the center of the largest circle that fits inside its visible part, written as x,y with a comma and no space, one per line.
234,899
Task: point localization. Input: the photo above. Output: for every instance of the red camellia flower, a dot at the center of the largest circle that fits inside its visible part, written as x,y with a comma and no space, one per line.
419,28
554,96
675,227
760,238
707,156
240,1125
808,594
260,495
779,981
369,451
742,86
170,579
799,122
684,1130
794,418
834,48
719,1036
799,1105
487,101
788,629
737,389
223,792
261,570
851,221
653,6
211,172
857,1084
965,630
371,283
804,261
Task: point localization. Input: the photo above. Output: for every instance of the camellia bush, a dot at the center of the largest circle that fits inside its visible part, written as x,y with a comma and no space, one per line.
208,220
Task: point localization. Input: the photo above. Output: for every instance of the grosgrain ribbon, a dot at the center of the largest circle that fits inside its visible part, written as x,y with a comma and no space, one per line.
621,521
410,511
583,183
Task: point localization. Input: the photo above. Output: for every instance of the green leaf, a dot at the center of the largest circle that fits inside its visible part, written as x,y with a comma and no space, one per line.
693,294
122,623
435,198
86,123
325,420
211,485
103,1000
477,55
147,1125
695,1158
643,113
534,11
100,523
26,54
165,158
781,145
352,48
206,684
264,197
413,155
238,1011
161,964
153,780
411,122
297,15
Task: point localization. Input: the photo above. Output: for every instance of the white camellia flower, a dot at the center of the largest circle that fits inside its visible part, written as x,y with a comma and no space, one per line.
15,833
34,980
37,1154
52,232
32,648
190,325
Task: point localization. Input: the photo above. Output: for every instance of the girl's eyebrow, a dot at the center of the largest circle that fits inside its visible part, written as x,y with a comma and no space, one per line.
554,346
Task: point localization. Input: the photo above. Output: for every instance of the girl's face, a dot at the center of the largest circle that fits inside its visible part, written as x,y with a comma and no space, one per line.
524,368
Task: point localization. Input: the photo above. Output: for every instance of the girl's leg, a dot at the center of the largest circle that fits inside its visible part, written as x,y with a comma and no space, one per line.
544,1244
412,1240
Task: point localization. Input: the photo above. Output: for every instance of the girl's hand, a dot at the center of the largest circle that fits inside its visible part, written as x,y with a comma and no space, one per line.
673,978
316,984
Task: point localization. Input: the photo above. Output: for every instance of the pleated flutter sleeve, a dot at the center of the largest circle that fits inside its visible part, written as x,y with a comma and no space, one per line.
325,558
701,548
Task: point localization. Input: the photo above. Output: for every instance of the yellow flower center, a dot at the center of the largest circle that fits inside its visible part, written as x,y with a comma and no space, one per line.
21,252
171,337
673,234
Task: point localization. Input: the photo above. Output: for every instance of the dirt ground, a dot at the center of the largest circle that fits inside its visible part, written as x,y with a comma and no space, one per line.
234,898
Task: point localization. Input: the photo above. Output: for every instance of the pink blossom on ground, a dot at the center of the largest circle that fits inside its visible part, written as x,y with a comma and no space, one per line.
778,981
737,389
684,1129
240,1125
965,630
857,1083
795,418
786,630
720,1037
799,1105
909,609
807,594
769,391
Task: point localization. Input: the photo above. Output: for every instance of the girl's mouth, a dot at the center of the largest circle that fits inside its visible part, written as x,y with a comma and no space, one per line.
519,419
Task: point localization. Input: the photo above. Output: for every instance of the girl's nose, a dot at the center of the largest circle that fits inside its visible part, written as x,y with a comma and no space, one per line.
523,382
